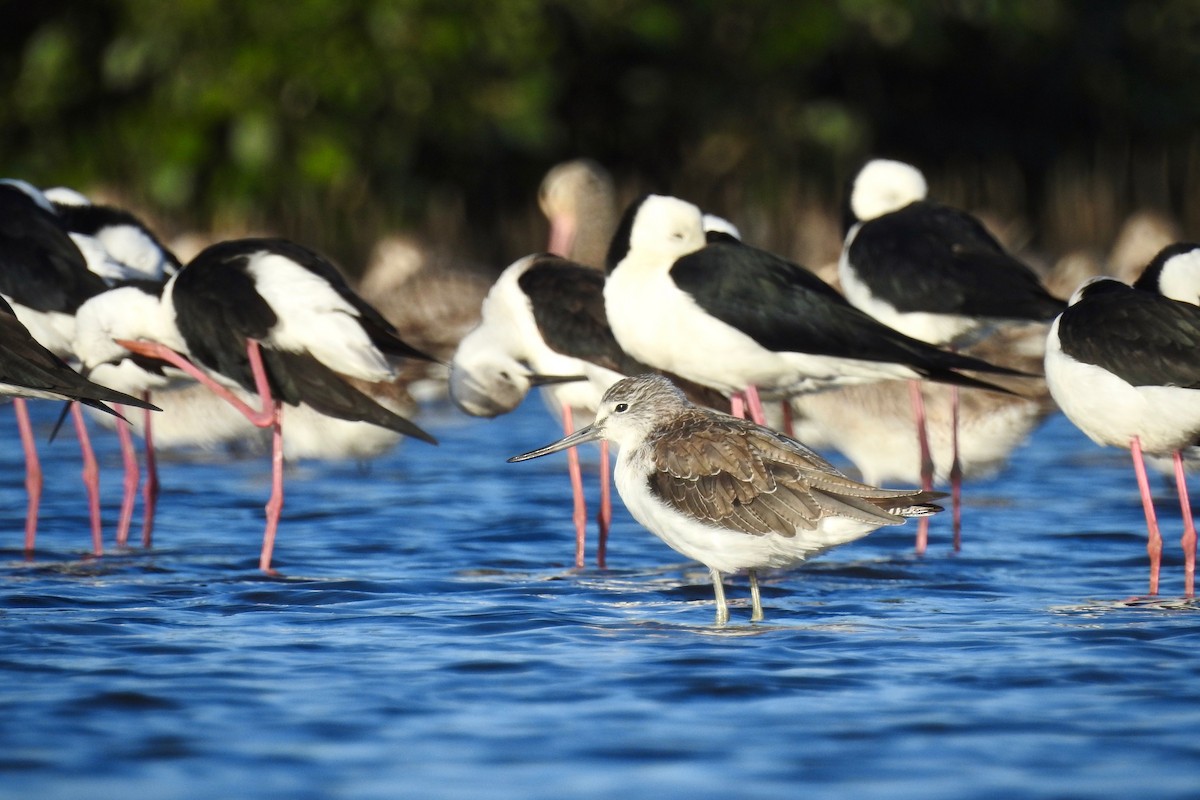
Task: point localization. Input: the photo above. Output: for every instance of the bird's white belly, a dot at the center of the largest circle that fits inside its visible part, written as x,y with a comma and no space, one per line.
927,326
310,434
1111,411
53,330
658,324
874,427
192,416
661,326
129,378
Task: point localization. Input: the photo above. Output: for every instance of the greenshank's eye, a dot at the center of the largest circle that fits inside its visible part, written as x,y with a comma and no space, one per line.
621,408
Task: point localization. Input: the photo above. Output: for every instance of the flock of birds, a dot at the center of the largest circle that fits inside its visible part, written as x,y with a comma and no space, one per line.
247,321
704,359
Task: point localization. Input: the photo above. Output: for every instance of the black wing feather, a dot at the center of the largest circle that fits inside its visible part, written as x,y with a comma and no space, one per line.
568,307
1142,338
302,378
927,257
786,308
25,363
218,308
40,267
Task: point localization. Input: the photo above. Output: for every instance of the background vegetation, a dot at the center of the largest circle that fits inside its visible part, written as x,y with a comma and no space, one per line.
336,121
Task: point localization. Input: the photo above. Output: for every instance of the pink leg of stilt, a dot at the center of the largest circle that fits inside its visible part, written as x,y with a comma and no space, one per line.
755,404
33,472
91,477
918,404
789,424
605,515
737,405
1154,540
580,515
275,503
150,489
130,484
955,471
268,416
1189,529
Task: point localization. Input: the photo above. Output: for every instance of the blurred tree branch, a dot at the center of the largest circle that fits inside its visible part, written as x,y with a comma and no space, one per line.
336,120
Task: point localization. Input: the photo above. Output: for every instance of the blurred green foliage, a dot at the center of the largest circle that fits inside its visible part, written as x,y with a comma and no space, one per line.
340,119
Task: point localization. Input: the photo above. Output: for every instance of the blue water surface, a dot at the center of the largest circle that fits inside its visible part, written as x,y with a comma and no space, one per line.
428,638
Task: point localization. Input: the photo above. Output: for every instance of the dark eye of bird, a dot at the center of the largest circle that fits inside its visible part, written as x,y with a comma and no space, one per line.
621,408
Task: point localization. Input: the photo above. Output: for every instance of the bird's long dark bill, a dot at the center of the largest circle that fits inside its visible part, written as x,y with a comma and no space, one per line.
61,419
585,434
550,380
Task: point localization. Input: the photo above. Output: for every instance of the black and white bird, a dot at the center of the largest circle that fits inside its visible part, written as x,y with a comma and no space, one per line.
1174,272
934,273
45,279
1124,366
727,492
742,320
116,243
195,417
927,269
29,370
42,272
542,324
272,317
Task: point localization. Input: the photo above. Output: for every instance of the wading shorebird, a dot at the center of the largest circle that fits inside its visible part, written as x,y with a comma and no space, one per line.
932,272
728,492
29,370
542,325
1124,366
272,317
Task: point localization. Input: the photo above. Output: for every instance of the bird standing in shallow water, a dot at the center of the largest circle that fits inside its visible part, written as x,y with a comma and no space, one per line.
934,273
45,278
273,317
542,324
727,492
1124,366
27,369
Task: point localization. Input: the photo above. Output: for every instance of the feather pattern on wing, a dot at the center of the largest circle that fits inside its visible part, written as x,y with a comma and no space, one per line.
759,482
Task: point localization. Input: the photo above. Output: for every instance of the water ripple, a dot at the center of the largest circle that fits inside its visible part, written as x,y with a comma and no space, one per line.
429,638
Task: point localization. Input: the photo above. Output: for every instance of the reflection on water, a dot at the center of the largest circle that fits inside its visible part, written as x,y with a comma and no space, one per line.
427,638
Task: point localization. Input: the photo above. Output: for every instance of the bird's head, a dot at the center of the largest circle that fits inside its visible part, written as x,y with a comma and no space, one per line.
629,411
883,186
